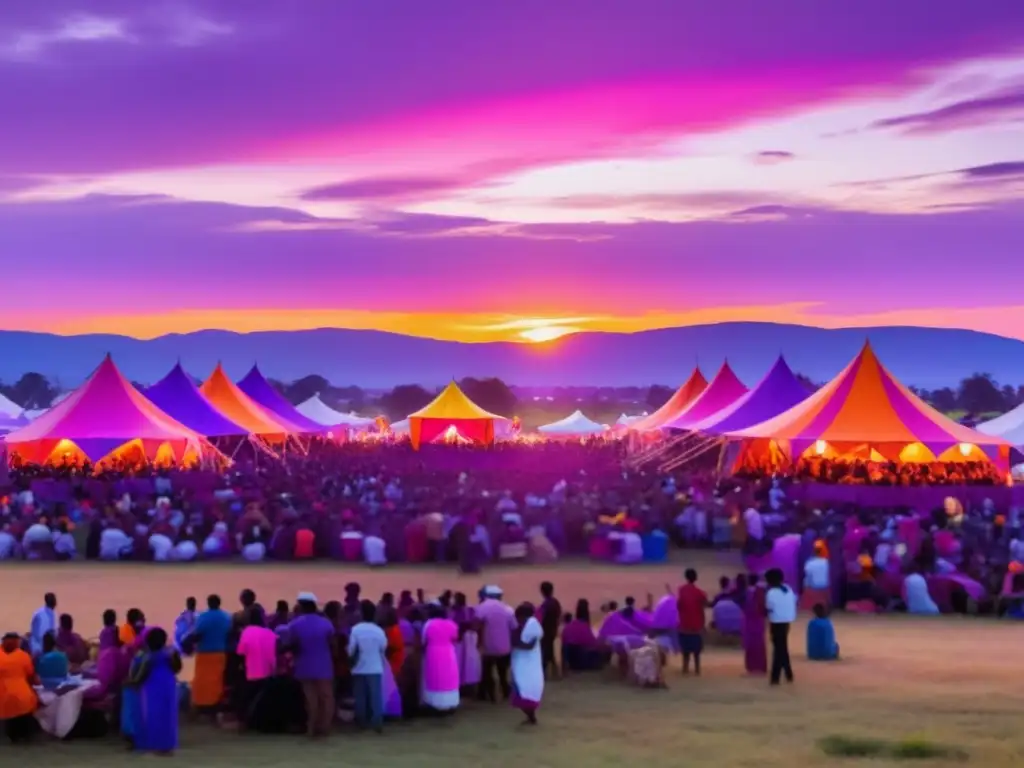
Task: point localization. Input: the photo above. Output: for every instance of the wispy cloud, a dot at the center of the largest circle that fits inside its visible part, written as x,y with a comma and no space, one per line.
27,45
999,107
773,157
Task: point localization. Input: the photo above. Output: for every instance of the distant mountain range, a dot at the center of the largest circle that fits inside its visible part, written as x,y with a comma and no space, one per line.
923,357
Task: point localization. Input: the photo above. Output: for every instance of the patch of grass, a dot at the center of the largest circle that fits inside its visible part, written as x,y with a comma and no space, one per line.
907,749
851,746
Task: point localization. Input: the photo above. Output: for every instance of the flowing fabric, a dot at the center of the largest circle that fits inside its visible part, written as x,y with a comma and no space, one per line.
915,594
470,663
755,651
528,668
665,623
131,704
440,664
208,679
158,706
392,696
617,625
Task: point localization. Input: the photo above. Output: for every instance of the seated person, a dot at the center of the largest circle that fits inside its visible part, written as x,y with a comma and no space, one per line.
52,666
916,596
821,637
647,665
71,643
725,591
726,623
581,651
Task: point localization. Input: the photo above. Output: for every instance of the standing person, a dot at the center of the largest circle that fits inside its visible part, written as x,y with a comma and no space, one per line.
440,661
550,615
497,623
692,602
43,620
755,651
312,638
211,633
156,679
19,700
185,624
257,647
134,624
527,663
780,604
470,668
367,651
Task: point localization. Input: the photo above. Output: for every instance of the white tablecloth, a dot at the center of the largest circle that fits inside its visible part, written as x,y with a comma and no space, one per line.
57,715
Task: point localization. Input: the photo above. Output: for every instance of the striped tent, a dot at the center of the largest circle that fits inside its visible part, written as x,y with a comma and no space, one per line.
724,390
866,412
676,404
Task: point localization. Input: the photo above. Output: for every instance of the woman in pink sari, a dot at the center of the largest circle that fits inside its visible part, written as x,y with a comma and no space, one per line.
440,662
755,651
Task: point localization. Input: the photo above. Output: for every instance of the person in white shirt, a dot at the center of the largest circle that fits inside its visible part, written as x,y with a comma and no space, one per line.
114,544
367,649
43,621
780,604
816,572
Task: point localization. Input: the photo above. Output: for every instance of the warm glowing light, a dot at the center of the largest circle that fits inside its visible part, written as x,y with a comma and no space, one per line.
965,449
546,333
819,447
451,434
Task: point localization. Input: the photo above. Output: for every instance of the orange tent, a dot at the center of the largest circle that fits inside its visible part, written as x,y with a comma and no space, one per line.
865,411
676,405
237,406
452,409
106,418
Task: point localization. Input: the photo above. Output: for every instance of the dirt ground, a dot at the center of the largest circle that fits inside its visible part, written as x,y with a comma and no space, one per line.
955,681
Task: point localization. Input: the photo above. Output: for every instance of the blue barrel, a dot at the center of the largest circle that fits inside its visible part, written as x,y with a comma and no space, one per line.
655,545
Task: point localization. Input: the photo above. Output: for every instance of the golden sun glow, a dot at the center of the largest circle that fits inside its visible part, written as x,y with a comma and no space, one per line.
544,333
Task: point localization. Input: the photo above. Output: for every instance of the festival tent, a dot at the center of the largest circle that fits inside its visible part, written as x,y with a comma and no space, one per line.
104,418
178,396
317,410
625,421
451,408
231,401
400,427
1009,426
866,412
573,425
676,404
777,392
261,391
9,408
724,390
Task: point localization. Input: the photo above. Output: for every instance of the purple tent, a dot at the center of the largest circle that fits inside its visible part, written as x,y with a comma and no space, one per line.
260,390
177,396
723,391
776,393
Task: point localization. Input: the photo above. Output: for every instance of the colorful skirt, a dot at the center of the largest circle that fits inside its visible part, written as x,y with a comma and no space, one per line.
208,680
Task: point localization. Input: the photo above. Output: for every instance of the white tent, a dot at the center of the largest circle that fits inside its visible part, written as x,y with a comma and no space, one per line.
573,425
317,410
1009,426
9,408
400,427
625,421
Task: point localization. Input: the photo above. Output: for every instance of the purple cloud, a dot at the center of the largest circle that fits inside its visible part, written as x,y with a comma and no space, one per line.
994,170
773,157
1006,106
393,188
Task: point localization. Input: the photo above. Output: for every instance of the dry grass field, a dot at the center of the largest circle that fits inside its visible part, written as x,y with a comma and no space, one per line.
949,681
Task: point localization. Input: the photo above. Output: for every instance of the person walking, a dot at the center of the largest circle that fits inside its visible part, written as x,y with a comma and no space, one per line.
781,605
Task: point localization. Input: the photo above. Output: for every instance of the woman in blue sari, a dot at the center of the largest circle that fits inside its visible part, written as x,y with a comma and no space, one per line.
130,705
156,682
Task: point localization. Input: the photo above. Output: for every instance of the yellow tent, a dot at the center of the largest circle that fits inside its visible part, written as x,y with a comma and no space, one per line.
451,408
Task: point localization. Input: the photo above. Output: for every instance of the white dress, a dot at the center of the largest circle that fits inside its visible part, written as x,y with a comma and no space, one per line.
528,666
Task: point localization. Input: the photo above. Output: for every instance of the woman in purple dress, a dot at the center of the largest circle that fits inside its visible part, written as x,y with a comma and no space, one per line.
755,651
156,679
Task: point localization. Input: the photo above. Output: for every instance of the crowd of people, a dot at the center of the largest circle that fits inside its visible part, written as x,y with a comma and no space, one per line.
304,666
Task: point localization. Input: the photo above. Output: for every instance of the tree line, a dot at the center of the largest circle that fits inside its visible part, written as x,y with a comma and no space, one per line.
975,395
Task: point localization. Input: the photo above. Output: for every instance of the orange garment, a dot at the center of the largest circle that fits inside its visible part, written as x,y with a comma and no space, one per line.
208,679
396,649
126,634
17,698
304,539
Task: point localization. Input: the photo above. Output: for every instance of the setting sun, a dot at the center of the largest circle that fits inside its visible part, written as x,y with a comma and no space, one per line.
546,333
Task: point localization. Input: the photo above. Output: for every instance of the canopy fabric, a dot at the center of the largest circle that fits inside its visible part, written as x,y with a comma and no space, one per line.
255,385
101,417
724,390
676,404
1009,426
865,405
9,408
575,424
777,392
231,401
179,397
451,408
400,427
317,410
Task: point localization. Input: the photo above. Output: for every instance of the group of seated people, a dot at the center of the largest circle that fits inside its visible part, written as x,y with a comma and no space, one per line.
891,473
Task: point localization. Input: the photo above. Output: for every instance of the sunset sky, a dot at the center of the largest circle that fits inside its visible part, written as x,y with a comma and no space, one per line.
492,170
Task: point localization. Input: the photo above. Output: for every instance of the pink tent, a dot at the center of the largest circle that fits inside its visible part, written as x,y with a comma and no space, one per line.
103,417
722,392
